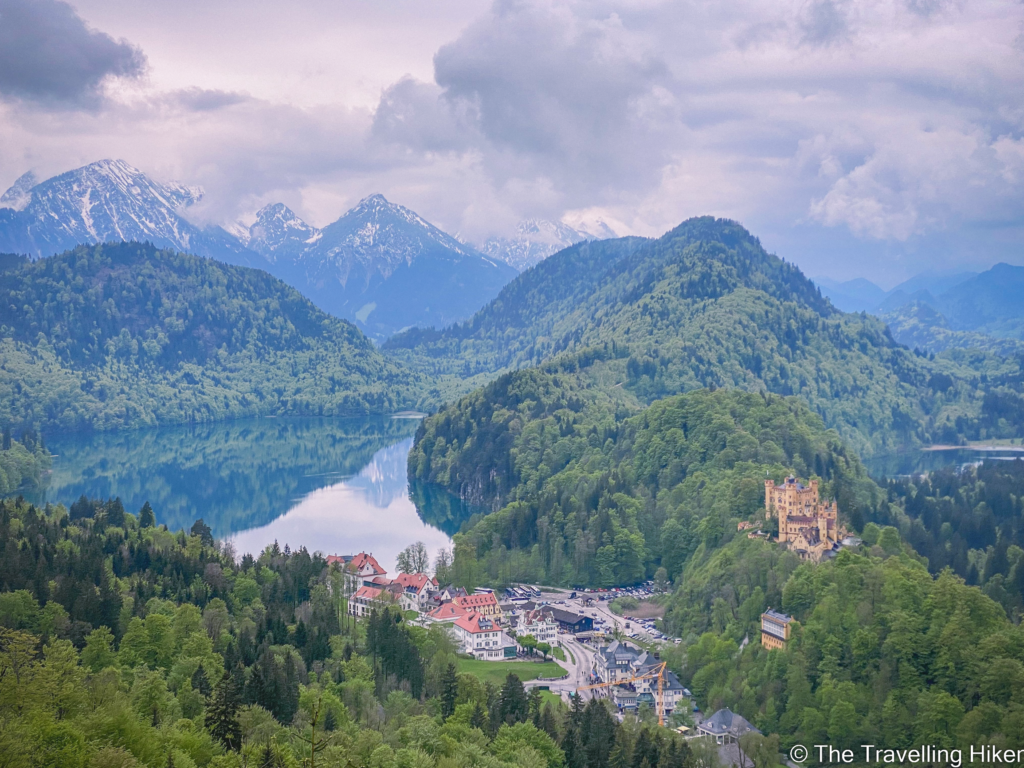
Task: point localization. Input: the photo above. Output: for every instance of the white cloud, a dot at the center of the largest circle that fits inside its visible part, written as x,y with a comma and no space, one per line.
880,127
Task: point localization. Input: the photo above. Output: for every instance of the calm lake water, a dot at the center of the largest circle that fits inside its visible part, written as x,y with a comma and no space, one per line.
918,462
337,486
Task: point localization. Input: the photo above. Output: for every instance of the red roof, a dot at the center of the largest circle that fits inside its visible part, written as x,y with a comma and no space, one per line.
447,611
414,581
370,593
382,580
477,601
471,623
357,562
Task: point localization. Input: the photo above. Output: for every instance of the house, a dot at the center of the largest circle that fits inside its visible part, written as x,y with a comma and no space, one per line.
621,662
486,604
362,566
775,629
449,593
725,727
446,614
535,623
367,599
481,637
568,621
419,587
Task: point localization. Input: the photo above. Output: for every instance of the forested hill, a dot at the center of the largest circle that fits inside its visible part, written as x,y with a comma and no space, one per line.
703,306
585,496
122,335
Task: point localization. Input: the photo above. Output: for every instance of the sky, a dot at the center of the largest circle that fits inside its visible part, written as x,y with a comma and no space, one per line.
855,138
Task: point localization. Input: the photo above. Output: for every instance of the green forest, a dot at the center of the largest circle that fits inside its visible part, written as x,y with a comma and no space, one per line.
584,495
23,463
706,306
124,335
124,644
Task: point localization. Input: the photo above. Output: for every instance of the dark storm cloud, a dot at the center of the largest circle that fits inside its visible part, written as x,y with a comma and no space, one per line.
48,54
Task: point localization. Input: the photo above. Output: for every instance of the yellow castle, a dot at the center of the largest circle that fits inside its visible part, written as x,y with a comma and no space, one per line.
810,526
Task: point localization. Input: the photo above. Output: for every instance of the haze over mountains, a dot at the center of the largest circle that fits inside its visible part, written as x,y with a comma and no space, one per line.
109,201
536,239
380,265
937,311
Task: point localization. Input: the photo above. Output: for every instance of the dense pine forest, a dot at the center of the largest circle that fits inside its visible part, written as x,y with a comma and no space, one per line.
125,644
587,494
23,463
124,335
706,306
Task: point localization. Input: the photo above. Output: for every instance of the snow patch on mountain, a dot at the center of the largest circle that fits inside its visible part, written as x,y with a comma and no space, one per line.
536,239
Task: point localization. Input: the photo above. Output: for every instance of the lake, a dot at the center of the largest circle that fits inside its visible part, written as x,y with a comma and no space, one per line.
921,461
334,485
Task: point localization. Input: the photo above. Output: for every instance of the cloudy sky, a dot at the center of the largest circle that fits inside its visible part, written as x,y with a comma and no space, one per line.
871,138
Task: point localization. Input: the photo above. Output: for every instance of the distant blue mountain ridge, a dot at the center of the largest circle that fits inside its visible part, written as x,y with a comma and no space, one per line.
940,310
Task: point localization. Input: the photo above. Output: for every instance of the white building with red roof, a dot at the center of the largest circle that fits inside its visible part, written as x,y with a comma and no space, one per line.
447,613
366,599
418,586
481,637
363,566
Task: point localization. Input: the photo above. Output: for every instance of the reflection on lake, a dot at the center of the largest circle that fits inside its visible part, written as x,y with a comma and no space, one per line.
920,462
371,511
332,485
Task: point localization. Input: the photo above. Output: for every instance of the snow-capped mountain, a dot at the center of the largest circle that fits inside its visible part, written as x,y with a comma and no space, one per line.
106,201
279,234
536,239
381,265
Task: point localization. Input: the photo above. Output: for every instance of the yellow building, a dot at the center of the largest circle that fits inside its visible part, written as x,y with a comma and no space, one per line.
775,629
810,526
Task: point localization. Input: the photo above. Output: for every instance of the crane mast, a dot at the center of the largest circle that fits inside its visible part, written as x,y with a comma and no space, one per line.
657,673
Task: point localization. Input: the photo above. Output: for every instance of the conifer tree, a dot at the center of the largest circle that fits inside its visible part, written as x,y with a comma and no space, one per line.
513,704
200,683
449,691
147,518
222,714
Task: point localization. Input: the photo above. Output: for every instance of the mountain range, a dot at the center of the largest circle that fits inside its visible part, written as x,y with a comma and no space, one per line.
109,201
380,265
937,311
703,306
536,239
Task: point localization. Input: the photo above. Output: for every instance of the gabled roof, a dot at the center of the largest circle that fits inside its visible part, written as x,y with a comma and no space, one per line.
474,623
370,593
414,582
447,612
477,601
357,562
566,617
727,721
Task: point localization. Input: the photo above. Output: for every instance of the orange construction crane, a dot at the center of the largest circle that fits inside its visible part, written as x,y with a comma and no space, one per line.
658,672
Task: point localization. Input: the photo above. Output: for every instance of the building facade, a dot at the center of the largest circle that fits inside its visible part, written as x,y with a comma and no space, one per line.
807,524
775,629
482,638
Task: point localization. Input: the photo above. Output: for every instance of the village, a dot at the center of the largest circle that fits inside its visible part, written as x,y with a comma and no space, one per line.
601,654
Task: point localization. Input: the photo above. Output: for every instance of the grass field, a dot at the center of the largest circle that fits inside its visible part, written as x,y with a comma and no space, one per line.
554,698
558,653
496,671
